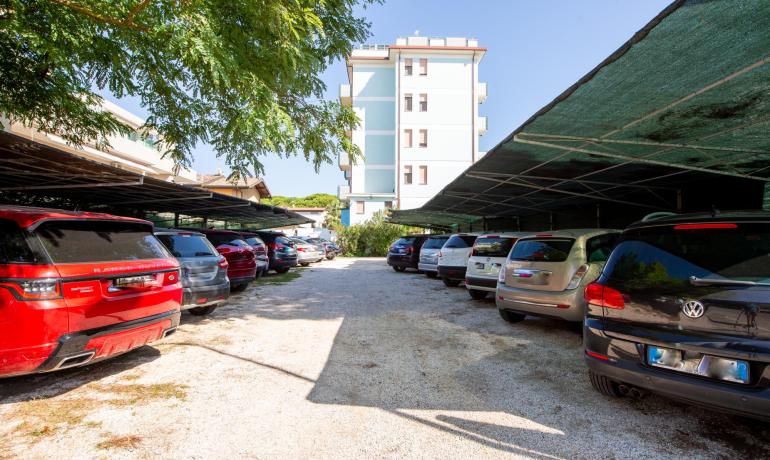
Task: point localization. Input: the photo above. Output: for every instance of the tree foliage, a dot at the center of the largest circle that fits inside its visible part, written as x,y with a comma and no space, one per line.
316,200
241,75
371,238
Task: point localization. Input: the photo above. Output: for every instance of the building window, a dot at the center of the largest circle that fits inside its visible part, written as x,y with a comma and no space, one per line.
423,66
407,102
423,102
388,205
423,138
423,175
360,207
408,175
408,67
408,138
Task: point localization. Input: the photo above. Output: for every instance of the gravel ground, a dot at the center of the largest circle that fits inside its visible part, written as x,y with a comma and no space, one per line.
354,360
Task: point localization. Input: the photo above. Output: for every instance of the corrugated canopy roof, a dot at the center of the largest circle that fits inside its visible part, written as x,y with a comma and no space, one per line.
36,174
677,118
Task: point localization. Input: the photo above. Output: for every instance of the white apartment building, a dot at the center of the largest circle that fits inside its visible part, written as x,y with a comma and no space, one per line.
418,103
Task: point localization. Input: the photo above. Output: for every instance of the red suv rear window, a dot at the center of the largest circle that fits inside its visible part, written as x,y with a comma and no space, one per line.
98,241
14,248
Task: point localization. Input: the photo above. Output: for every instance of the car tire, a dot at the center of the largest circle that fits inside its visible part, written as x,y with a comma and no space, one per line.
511,317
305,264
330,257
282,270
399,268
431,274
239,287
450,283
477,295
605,386
202,311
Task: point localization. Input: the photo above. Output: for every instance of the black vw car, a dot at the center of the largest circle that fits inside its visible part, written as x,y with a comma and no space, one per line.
682,308
405,252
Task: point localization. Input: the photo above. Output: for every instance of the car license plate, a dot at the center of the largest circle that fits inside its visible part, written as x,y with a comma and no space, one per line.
731,370
480,265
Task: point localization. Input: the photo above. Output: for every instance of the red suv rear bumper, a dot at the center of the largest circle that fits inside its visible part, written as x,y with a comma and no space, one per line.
87,346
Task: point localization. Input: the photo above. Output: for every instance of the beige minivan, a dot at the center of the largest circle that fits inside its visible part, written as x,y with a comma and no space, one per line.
546,273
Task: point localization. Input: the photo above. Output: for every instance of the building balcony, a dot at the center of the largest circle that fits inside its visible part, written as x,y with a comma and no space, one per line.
481,90
482,124
343,192
345,95
343,161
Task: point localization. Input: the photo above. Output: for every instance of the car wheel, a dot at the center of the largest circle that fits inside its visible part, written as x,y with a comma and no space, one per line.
200,311
477,295
330,257
282,270
604,385
239,287
431,274
511,317
450,283
399,268
304,264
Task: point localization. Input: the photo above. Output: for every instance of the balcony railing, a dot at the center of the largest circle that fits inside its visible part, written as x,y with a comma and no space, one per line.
343,160
481,90
482,124
343,192
345,95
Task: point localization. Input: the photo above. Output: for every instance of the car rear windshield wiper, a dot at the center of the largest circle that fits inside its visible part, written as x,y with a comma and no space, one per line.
695,281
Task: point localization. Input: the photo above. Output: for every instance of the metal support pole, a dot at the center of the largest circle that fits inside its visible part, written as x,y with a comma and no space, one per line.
679,200
598,216
550,221
176,219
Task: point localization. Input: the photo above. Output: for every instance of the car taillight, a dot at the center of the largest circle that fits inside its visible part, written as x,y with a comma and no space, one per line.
410,250
578,277
170,278
301,249
600,295
41,289
223,263
473,252
501,274
706,226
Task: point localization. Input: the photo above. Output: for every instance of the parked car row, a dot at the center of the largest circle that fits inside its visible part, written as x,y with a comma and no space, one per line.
79,287
674,304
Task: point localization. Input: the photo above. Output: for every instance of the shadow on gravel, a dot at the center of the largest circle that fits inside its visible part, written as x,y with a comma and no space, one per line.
48,385
407,355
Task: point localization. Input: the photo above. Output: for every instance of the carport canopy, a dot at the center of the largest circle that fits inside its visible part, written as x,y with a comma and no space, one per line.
677,119
32,173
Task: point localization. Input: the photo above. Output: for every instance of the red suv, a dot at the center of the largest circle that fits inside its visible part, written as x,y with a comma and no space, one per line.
241,257
79,287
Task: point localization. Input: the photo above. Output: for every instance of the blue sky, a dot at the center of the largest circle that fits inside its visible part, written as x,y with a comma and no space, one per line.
536,50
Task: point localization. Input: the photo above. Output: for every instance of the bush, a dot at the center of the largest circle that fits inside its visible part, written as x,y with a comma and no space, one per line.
371,238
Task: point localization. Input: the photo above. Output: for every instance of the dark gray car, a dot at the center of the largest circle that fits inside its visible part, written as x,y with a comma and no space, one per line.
204,271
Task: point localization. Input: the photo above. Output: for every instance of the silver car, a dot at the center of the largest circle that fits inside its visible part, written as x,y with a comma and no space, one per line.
307,253
545,274
205,284
428,263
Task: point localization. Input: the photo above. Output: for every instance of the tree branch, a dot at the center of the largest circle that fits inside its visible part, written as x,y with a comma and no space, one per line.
135,10
127,23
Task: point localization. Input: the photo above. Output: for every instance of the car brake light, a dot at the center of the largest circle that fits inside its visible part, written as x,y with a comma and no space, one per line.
409,250
501,274
170,278
301,249
544,235
602,296
223,263
708,226
40,289
578,277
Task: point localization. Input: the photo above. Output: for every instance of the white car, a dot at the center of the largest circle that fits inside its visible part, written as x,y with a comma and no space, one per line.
453,258
489,253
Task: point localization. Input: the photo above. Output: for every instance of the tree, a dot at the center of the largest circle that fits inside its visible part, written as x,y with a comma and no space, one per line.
316,200
242,76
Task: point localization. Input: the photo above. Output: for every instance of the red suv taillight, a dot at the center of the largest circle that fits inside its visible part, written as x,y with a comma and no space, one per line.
39,289
223,263
602,296
170,278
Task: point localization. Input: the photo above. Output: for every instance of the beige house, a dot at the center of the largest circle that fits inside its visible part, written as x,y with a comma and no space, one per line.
250,188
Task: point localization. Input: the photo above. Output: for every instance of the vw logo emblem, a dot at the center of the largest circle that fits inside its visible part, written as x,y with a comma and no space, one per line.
693,309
